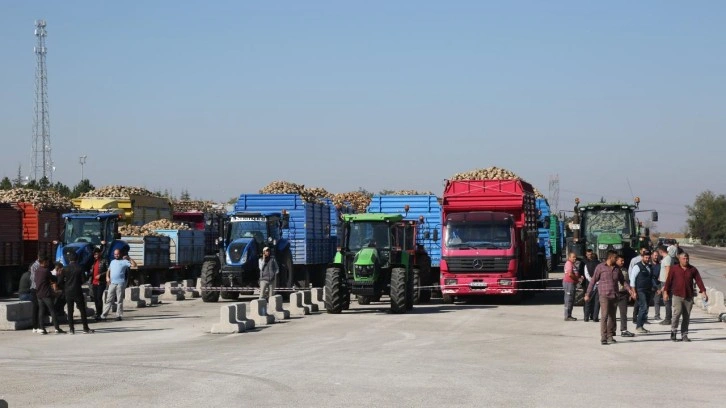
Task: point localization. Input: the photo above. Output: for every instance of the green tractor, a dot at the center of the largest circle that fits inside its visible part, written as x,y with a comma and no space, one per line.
373,261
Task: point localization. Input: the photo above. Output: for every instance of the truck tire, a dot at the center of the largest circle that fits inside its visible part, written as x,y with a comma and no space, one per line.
549,264
447,299
287,272
363,300
399,291
334,296
210,279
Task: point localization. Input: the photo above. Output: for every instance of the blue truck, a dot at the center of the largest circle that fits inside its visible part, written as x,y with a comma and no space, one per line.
544,240
424,211
298,233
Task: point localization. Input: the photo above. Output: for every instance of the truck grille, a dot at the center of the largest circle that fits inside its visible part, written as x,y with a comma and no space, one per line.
477,264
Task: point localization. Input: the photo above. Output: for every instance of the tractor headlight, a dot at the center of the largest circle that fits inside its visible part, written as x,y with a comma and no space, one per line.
364,270
617,246
602,246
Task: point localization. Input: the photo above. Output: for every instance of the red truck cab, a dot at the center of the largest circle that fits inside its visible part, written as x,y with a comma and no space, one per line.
489,241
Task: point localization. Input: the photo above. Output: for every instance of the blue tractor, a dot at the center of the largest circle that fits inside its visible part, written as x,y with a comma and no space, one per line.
242,237
82,231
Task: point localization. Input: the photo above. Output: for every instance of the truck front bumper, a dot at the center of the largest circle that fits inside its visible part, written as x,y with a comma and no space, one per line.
478,285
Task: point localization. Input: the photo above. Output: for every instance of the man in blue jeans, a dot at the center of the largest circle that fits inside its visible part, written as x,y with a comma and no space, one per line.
641,278
118,272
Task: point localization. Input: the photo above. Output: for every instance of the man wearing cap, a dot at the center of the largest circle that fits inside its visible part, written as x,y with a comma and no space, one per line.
641,279
268,273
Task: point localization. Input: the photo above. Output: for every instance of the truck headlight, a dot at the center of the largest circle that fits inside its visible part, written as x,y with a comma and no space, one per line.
505,282
450,282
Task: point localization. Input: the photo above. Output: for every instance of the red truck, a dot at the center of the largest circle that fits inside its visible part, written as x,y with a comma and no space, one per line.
489,241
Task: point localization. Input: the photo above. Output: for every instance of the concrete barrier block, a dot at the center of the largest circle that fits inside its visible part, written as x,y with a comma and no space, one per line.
296,306
227,321
307,301
258,313
199,285
16,311
275,308
716,303
190,289
16,324
187,283
316,297
241,315
133,293
172,292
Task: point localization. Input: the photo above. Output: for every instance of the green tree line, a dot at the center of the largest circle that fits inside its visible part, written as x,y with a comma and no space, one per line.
44,184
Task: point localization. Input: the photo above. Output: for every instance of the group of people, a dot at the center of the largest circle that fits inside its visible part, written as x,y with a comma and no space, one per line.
664,277
63,285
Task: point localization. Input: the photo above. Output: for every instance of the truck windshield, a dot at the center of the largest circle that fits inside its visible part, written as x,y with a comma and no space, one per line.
256,229
83,230
596,222
368,234
478,235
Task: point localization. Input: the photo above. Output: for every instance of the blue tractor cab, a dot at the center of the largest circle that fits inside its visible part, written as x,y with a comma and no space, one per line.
82,231
242,238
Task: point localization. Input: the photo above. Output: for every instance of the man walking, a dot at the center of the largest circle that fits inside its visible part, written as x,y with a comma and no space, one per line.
641,279
657,296
607,277
680,285
632,264
591,307
569,284
72,278
669,259
625,292
116,280
98,280
34,294
268,273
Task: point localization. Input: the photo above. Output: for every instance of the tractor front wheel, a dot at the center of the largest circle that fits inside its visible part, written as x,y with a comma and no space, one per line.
335,299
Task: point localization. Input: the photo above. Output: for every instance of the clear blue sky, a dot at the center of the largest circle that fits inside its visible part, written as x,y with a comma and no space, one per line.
222,97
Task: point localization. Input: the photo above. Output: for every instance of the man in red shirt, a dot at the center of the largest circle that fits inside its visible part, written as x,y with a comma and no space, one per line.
569,284
98,280
679,284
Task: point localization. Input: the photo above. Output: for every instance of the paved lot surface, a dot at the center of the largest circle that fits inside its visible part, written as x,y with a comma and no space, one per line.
488,354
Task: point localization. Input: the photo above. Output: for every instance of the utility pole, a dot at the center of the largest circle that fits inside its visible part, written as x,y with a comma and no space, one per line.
42,162
82,161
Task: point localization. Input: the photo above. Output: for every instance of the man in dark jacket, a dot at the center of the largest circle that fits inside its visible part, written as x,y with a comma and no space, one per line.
591,307
268,273
98,280
44,292
72,278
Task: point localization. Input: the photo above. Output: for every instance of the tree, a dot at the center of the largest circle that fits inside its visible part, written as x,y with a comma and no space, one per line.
707,218
61,189
18,181
44,183
6,184
185,195
83,186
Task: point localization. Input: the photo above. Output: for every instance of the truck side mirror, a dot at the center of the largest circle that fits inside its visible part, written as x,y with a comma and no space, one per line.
647,231
654,216
436,234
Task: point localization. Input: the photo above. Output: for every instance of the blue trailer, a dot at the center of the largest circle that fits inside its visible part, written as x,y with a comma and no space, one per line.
543,232
298,233
425,212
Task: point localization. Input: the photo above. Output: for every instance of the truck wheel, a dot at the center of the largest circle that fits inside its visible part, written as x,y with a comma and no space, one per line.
363,300
448,299
549,265
398,290
334,296
210,279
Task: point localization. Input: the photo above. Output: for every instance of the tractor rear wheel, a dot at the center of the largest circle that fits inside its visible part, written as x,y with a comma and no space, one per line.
210,279
363,300
399,291
334,296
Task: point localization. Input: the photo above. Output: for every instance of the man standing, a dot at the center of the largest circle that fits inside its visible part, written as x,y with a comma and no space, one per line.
72,278
34,294
625,292
641,279
591,307
45,295
669,259
655,269
116,280
680,285
98,280
607,277
632,264
569,283
268,273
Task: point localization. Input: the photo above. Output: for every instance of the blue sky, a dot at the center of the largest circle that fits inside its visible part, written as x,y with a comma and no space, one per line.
222,97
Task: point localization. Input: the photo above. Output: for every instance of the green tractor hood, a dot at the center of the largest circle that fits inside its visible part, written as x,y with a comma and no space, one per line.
366,257
609,238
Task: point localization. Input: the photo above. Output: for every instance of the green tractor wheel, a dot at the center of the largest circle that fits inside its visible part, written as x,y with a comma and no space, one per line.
210,279
335,299
399,292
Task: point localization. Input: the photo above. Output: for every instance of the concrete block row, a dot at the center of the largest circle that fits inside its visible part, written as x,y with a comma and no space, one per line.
16,315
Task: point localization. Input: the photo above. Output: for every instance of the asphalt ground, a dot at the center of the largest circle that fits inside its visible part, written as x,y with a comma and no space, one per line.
481,353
